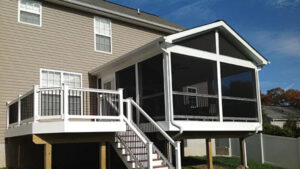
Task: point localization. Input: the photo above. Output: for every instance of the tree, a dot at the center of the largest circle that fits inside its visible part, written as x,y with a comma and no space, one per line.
276,95
266,99
291,97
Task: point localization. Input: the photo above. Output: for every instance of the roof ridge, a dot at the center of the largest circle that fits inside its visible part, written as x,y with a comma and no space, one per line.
132,8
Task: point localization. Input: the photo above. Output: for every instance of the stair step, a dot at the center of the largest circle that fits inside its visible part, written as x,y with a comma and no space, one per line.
133,147
159,166
138,154
156,159
129,141
129,136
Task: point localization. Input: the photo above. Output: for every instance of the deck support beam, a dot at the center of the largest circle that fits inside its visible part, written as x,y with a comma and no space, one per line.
47,150
243,153
19,155
209,154
102,155
47,156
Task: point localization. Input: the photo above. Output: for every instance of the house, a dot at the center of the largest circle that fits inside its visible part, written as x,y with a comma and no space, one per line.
90,80
279,115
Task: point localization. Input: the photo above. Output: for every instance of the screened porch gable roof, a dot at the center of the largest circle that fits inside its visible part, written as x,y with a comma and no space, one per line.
226,30
155,45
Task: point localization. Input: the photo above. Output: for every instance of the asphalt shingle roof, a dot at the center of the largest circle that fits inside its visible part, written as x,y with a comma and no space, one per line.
279,112
131,12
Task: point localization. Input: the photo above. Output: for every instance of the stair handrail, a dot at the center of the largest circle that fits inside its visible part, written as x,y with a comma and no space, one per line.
154,123
144,139
154,147
130,152
167,137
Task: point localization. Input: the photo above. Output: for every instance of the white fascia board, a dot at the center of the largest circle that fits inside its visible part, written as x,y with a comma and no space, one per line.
209,56
173,37
176,36
121,16
217,126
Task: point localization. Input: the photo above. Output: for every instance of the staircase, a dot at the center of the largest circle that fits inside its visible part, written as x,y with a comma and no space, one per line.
136,150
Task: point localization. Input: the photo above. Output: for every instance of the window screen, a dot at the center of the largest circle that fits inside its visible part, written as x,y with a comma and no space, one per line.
151,87
195,92
238,93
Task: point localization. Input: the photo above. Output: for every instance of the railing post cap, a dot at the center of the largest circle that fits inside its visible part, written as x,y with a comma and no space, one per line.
120,89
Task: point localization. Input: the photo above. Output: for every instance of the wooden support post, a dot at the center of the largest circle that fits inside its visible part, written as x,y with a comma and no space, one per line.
102,156
243,153
209,154
19,155
47,156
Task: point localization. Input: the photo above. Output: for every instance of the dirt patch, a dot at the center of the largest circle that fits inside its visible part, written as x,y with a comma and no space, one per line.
204,166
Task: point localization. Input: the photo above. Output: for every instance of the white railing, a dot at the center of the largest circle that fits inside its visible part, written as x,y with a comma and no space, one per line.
64,103
145,120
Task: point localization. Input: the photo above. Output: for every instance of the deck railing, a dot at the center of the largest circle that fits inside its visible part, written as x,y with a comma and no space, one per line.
64,103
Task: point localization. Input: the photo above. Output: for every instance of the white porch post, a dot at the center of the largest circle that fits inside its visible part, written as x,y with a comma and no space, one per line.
261,137
35,103
219,77
129,110
258,97
137,87
229,147
19,109
178,155
150,159
121,105
168,86
66,102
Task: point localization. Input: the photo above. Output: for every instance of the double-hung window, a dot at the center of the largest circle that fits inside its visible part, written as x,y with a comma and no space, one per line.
30,12
50,78
102,31
51,100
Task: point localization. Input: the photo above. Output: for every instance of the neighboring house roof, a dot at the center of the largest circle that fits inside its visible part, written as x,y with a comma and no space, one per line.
123,13
280,112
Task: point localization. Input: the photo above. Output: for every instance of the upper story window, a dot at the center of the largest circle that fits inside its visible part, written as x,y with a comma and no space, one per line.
102,31
53,78
30,12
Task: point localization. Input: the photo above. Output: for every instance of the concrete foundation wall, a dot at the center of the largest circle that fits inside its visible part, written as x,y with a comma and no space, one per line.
197,147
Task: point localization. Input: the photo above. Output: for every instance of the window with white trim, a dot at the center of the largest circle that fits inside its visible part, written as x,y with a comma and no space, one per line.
30,12
51,78
192,100
102,31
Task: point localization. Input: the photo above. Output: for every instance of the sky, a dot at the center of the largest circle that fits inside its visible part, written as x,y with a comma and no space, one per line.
270,26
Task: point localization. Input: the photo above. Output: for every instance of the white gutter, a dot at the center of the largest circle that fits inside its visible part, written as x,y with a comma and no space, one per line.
122,15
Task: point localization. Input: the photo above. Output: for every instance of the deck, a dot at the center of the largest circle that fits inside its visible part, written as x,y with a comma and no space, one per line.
65,110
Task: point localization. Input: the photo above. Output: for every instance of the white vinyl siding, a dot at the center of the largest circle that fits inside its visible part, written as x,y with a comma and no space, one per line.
30,12
102,31
52,78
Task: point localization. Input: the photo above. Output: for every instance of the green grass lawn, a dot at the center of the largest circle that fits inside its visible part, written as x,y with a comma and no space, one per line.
225,162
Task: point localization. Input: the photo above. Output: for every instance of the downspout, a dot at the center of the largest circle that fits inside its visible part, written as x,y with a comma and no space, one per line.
163,45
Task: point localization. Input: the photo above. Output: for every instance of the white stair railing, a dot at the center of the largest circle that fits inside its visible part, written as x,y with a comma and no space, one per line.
150,123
